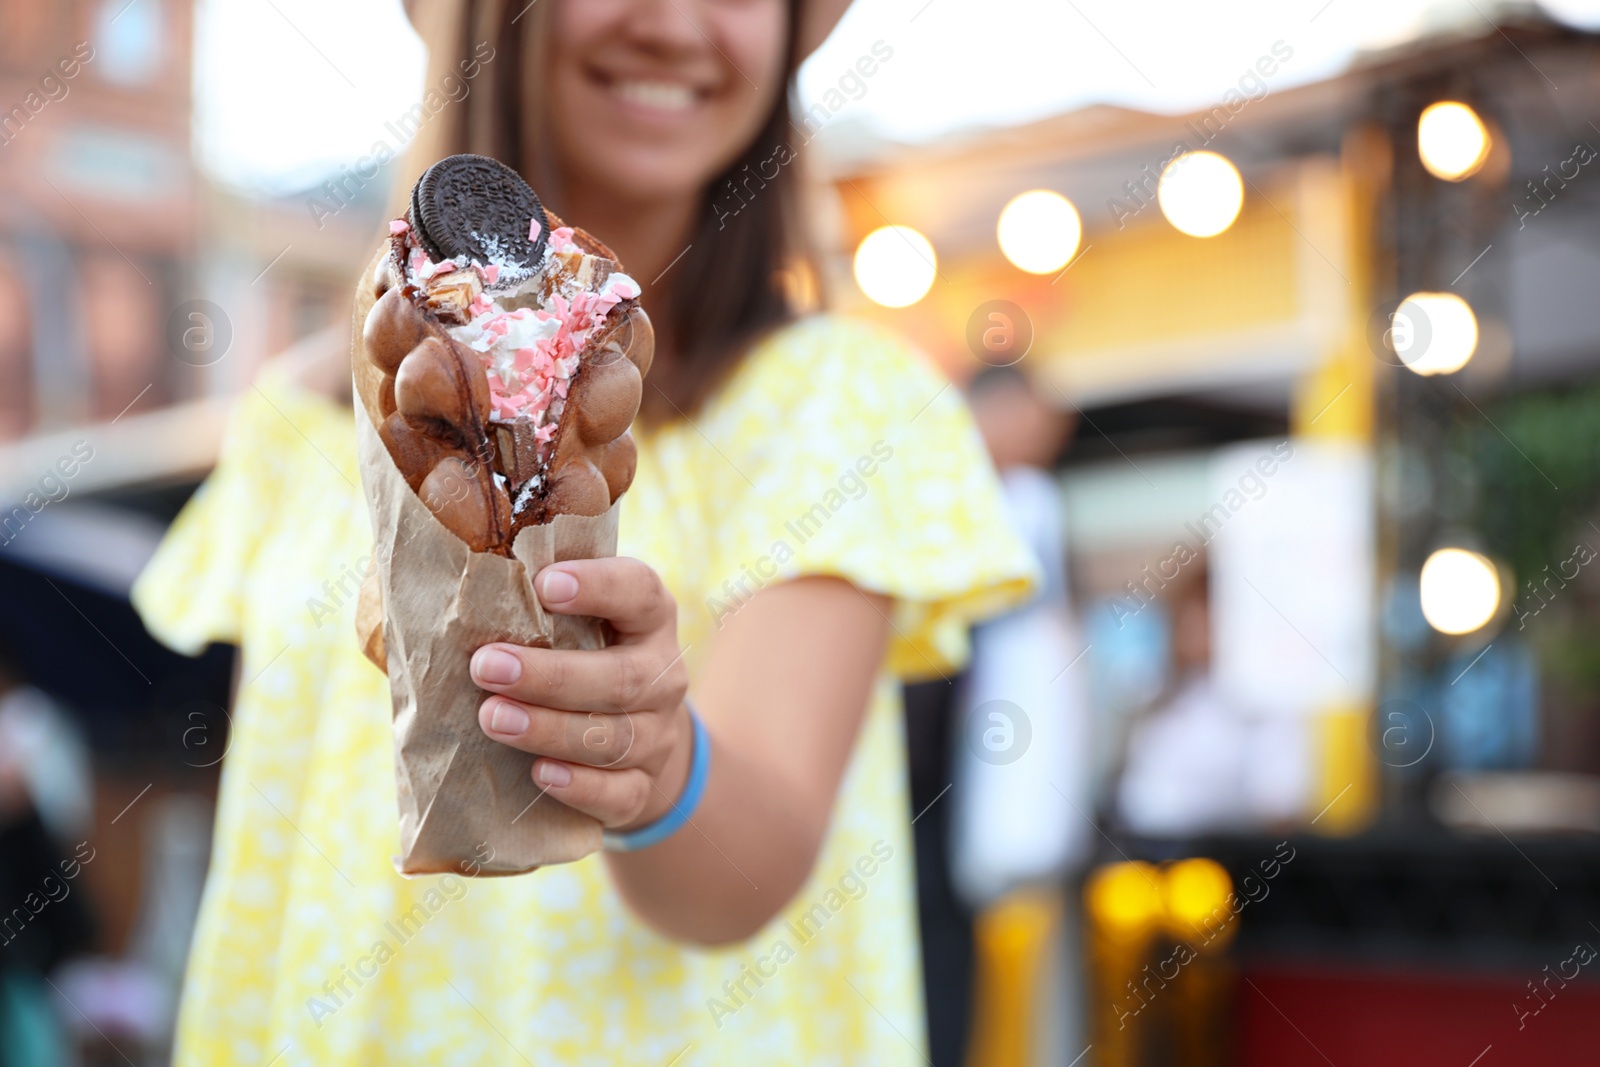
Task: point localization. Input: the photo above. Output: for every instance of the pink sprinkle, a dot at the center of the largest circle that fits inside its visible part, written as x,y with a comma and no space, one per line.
491,273
533,229
544,433
397,227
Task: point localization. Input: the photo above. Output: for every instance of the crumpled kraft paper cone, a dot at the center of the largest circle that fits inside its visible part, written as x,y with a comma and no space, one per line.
468,805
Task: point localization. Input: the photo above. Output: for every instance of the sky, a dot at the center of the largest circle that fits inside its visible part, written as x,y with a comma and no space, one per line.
287,91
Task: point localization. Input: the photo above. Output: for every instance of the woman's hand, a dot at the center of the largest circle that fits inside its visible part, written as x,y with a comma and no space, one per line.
609,726
785,682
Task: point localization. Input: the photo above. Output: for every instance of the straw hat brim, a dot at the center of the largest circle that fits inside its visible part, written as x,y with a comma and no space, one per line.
817,20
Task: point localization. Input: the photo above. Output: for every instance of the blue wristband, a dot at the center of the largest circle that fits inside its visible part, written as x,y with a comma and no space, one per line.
672,821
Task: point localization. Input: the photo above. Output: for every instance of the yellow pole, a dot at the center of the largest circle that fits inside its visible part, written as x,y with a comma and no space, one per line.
1337,401
1013,937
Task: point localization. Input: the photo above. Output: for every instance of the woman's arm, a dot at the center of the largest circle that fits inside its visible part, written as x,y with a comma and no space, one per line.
788,678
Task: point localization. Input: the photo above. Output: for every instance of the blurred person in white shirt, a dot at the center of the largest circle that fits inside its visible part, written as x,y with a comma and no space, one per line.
1198,761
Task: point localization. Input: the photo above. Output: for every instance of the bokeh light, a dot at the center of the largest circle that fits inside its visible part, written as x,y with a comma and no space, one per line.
1124,899
1197,892
1452,141
1460,590
1435,333
895,266
1200,193
1039,231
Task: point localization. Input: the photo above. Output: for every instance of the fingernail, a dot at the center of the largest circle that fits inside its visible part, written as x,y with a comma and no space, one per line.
494,667
557,587
554,774
508,719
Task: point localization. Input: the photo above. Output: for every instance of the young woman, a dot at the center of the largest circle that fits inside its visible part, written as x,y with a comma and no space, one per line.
812,517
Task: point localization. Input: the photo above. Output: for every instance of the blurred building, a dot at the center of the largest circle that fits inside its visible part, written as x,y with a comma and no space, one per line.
98,227
1269,404
1418,807
137,298
133,284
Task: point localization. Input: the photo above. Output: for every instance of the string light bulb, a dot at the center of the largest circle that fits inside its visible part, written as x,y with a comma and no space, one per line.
1452,140
895,266
1039,231
1200,193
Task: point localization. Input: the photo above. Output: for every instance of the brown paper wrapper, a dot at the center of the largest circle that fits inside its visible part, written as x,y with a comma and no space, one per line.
468,805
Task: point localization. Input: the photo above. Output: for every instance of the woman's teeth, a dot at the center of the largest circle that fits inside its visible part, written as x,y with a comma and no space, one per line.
665,96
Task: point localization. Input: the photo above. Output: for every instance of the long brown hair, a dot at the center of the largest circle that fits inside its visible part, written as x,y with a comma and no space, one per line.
737,280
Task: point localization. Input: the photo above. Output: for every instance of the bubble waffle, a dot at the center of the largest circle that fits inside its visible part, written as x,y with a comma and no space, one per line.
501,356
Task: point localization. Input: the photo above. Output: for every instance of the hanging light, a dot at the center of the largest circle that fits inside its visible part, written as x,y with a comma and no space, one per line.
1200,193
895,266
1452,140
1434,333
1460,590
1039,231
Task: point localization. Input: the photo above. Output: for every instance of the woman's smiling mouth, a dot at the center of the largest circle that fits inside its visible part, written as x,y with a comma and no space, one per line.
673,97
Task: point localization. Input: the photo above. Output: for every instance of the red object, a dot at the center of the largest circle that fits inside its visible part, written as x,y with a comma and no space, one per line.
1289,1017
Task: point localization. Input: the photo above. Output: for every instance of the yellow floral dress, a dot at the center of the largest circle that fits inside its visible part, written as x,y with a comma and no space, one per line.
832,450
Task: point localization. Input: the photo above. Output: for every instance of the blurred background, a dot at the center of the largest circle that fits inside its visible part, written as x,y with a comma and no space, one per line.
1280,318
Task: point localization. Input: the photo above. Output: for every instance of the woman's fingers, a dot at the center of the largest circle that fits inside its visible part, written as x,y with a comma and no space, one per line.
616,798
604,722
624,591
594,738
616,679
604,765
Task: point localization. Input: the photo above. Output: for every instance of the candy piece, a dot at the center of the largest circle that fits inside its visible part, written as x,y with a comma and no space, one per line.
452,294
397,227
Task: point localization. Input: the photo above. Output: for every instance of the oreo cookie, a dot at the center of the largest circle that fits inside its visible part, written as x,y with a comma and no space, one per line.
477,207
